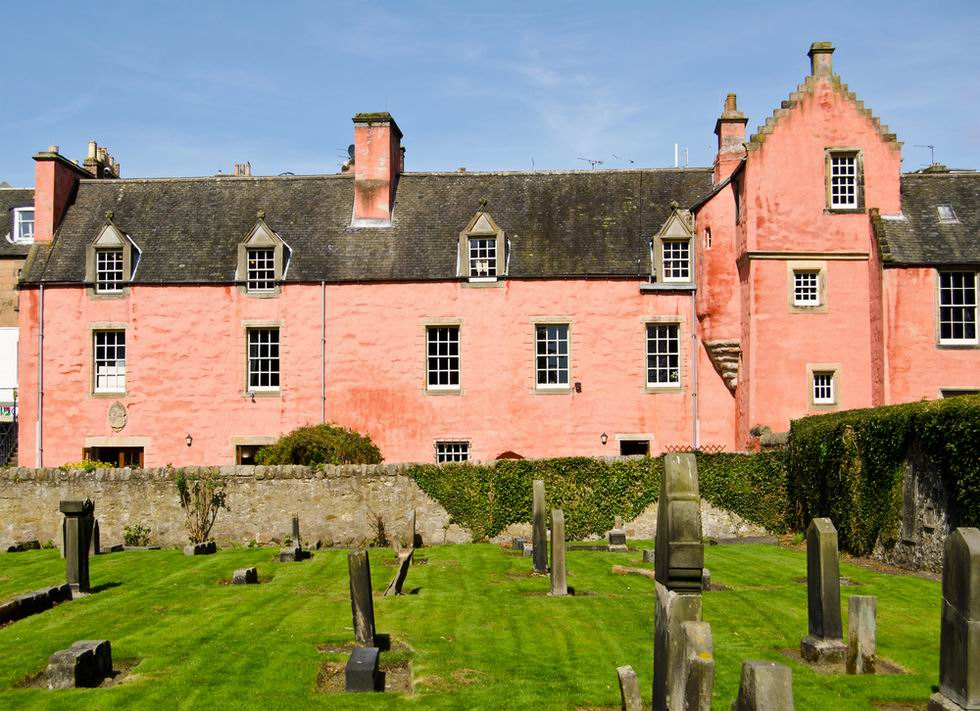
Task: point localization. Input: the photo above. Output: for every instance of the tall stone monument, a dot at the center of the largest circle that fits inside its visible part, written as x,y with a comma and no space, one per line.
78,525
361,600
559,583
539,534
679,560
825,643
296,540
959,630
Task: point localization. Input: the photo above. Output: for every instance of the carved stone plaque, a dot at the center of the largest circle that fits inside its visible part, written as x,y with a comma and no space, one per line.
117,416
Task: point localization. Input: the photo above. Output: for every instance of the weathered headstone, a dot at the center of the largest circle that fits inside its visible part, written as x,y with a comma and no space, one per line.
765,686
245,576
32,545
697,666
78,531
629,689
207,548
527,551
959,631
649,555
84,664
825,643
361,673
294,551
95,547
539,537
616,538
861,634
705,580
517,543
415,537
361,600
672,610
559,583
295,536
404,563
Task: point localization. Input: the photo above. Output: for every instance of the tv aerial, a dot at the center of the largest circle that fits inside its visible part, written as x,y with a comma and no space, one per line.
592,161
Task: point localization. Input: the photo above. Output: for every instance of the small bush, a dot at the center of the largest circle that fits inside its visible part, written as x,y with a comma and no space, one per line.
136,535
201,497
87,465
321,444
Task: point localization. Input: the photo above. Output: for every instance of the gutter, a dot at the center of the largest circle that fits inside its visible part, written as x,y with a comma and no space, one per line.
39,441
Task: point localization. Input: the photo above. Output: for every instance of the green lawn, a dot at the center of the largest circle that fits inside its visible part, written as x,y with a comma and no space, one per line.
480,633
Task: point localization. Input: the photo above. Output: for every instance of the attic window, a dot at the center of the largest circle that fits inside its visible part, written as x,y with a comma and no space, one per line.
262,269
24,225
946,214
108,271
481,255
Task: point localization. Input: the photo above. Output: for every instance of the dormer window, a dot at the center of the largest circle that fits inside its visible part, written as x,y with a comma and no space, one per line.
263,259
482,250
670,253
24,225
677,260
111,261
483,257
108,271
262,269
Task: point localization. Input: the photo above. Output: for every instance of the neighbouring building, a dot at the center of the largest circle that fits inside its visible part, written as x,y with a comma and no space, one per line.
465,315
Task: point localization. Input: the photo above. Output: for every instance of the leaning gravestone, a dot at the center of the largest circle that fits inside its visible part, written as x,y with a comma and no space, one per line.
539,534
361,601
84,664
78,524
959,631
861,634
679,560
629,689
825,643
559,583
765,686
404,563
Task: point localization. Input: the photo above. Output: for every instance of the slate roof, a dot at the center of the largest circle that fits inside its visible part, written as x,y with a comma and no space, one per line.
9,199
918,237
580,223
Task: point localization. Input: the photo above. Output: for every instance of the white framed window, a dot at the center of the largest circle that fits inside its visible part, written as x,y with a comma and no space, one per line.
24,225
261,269
483,256
452,451
263,359
806,287
843,180
110,361
551,361
946,214
677,260
108,271
823,388
958,307
442,357
663,355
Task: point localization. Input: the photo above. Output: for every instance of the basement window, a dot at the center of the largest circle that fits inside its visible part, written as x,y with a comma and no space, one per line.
634,447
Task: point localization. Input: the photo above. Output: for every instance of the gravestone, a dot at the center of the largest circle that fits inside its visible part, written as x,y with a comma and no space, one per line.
404,563
559,583
361,601
825,643
649,555
296,539
959,631
415,537
78,524
697,666
527,551
629,689
32,545
84,664
539,534
361,673
517,544
616,538
679,560
705,580
861,634
245,576
294,551
764,686
208,548
95,547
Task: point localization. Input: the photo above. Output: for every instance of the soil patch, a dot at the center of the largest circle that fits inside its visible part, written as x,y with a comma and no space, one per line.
883,667
626,570
121,674
397,677
744,540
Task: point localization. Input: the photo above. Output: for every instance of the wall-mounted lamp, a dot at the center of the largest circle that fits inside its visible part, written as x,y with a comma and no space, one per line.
602,438
578,387
188,440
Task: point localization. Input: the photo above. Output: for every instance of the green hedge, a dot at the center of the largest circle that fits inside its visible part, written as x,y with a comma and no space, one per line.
850,465
591,492
321,444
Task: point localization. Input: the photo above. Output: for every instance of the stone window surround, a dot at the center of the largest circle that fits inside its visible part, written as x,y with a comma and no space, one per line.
835,369
110,237
463,250
681,322
568,388
946,391
18,219
437,323
858,153
666,234
106,326
237,441
261,236
637,437
248,325
819,266
956,345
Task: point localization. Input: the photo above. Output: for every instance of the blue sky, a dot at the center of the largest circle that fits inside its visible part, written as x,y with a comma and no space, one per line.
176,89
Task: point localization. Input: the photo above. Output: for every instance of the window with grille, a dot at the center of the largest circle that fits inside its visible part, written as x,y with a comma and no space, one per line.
806,288
663,354
108,271
823,388
676,259
958,307
843,180
261,268
110,361
483,256
263,359
551,366
24,225
452,452
442,357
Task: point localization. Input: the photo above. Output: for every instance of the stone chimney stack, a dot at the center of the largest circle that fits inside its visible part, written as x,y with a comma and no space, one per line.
378,161
243,170
55,181
99,163
821,56
730,129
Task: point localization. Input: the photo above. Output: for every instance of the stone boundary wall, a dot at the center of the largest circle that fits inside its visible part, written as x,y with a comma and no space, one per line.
337,505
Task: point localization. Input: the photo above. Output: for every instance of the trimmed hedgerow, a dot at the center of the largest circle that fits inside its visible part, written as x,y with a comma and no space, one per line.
487,498
321,444
850,465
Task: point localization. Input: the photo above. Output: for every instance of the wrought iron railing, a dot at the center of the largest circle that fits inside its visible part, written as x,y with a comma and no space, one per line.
703,449
8,441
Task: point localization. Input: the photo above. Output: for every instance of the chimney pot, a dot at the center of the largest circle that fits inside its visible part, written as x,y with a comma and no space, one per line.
731,104
821,59
52,149
92,146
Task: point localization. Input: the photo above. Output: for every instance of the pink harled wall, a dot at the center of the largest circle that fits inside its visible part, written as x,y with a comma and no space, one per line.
186,370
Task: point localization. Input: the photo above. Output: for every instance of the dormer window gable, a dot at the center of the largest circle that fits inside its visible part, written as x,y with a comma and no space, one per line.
263,260
672,250
482,252
111,261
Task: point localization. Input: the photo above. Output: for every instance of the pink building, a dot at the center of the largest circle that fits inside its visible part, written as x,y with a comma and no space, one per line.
472,315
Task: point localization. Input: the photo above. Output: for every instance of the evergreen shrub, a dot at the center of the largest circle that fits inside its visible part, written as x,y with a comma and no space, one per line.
321,444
